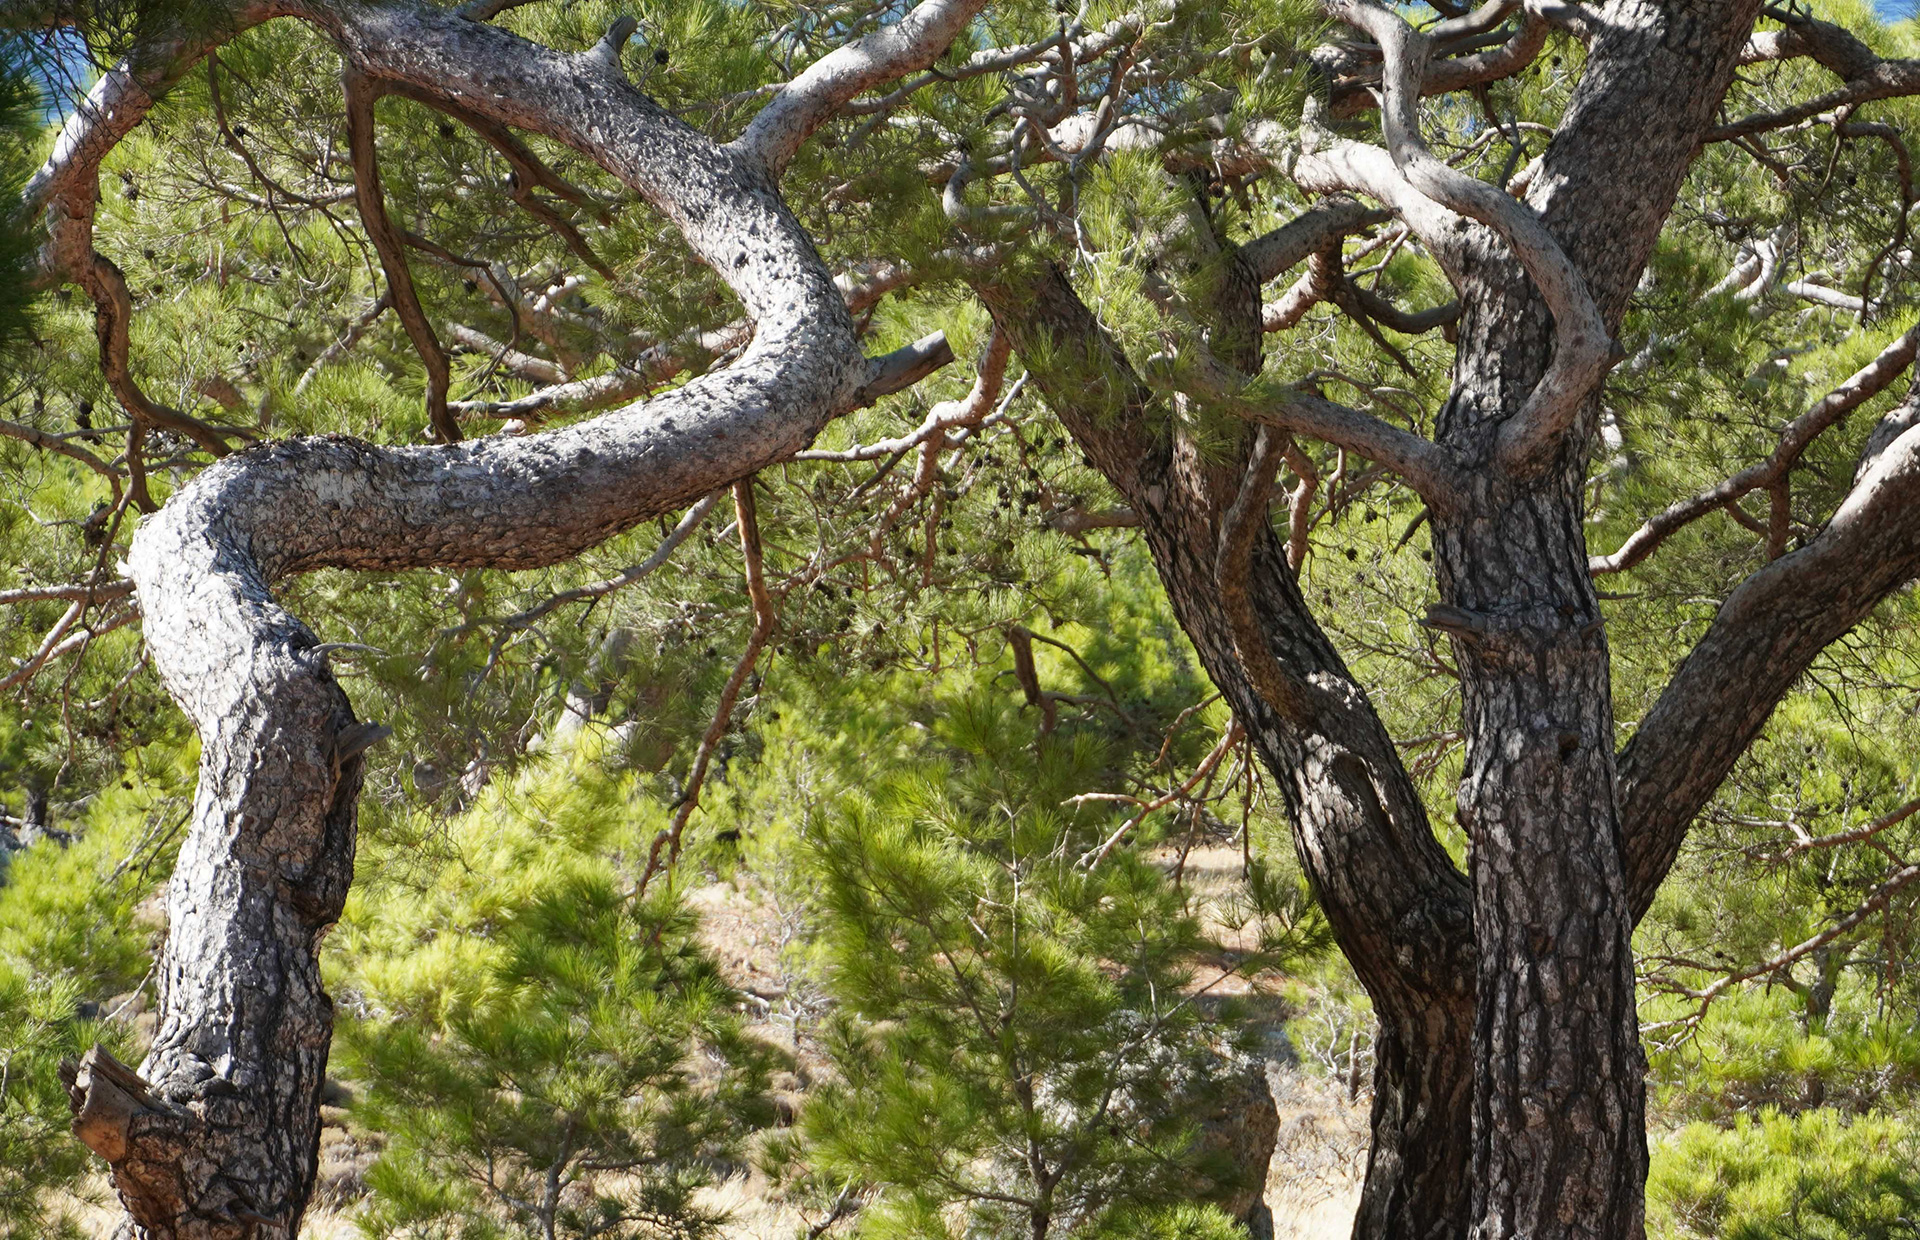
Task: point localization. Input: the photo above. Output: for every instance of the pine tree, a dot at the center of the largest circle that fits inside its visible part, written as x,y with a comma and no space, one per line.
546,1053
1025,1046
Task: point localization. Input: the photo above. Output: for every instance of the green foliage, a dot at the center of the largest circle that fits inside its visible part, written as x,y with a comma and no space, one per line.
1180,1222
1755,1050
1817,1176
1024,1036
598,1083
72,938
546,1053
37,1030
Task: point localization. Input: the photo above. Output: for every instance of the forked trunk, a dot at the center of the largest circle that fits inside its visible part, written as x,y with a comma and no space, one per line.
1405,926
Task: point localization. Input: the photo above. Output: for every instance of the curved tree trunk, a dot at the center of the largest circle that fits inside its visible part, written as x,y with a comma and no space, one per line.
1508,1090
219,1140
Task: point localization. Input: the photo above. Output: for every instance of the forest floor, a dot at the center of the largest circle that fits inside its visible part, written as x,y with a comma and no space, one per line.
1313,1182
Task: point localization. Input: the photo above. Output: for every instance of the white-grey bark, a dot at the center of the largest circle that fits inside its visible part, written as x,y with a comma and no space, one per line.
223,1143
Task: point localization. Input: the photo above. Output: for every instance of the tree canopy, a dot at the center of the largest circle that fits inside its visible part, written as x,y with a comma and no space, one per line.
482,481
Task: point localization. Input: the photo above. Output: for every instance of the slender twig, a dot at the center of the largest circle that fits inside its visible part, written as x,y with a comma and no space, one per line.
1228,740
763,623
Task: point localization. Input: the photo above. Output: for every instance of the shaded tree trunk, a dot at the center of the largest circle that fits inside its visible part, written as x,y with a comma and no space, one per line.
1406,924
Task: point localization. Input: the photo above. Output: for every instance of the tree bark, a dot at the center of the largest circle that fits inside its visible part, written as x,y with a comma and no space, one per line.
1398,906
219,1140
1559,1146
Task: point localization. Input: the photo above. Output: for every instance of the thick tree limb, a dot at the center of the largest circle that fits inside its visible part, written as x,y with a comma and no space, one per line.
1583,346
266,865
1289,245
812,98
1766,635
66,191
1408,925
1428,468
1332,166
901,369
1866,383
1074,524
1450,73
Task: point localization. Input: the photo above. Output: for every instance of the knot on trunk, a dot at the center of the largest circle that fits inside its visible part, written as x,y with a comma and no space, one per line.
1490,634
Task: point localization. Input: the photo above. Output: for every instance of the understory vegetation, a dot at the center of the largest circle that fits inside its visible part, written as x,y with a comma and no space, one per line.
873,856
942,990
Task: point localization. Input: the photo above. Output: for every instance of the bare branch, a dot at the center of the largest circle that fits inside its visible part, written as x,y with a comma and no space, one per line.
349,338
812,98
1854,835
1886,79
763,622
53,647
58,444
387,243
525,365
943,417
659,362
1228,739
1878,899
987,60
1862,386
78,592
689,522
